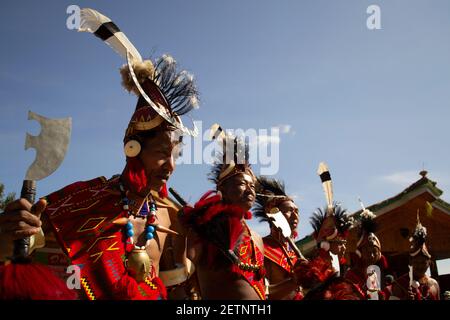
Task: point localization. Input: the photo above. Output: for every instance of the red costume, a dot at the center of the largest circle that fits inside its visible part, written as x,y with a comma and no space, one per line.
282,256
94,220
224,233
358,272
323,282
277,249
82,216
322,275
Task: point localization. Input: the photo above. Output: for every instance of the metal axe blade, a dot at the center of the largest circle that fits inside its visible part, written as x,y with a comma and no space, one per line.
51,145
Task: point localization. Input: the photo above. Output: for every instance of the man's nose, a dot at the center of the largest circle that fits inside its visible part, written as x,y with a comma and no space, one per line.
250,189
170,163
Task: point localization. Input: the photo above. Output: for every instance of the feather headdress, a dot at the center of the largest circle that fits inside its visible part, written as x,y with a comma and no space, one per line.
418,240
342,221
268,193
367,229
325,221
232,159
169,93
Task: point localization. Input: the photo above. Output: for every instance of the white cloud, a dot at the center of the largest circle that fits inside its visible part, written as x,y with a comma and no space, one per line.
285,129
401,178
405,178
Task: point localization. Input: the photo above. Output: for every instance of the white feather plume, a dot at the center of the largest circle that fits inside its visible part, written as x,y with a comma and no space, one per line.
91,20
216,132
327,185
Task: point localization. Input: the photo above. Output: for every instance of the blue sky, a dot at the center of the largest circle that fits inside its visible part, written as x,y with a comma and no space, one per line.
373,104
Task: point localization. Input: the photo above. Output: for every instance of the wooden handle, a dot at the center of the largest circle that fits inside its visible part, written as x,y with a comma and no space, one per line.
21,246
295,248
178,197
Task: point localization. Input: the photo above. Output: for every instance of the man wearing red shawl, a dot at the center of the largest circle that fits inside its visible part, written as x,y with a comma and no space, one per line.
279,255
228,255
115,229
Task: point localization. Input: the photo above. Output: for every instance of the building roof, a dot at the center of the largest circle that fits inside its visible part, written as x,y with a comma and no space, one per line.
419,187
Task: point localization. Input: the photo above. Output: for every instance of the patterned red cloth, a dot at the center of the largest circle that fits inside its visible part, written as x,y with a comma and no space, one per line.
218,224
82,216
274,253
319,276
247,250
358,281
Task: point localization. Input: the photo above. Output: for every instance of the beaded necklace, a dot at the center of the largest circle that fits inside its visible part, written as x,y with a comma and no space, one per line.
147,212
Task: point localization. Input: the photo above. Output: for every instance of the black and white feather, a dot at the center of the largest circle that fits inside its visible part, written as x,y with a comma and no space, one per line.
317,219
343,221
101,26
233,151
178,87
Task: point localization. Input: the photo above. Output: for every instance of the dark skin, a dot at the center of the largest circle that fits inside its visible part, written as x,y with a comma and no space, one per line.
338,246
21,220
420,264
222,284
282,284
239,190
370,255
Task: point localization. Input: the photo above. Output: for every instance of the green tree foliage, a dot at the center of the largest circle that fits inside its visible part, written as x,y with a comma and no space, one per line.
4,200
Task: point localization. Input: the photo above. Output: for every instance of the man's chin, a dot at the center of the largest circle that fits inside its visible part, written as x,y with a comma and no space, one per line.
156,185
250,204
246,205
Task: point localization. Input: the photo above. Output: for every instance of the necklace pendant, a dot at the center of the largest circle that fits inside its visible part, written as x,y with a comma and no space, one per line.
144,210
139,264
